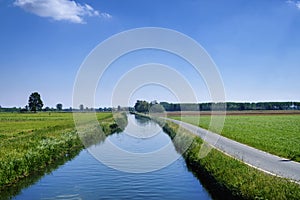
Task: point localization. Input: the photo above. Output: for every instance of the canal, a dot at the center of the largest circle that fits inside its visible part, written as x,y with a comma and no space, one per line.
85,177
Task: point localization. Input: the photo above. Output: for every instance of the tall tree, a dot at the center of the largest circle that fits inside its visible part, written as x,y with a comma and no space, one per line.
81,107
59,107
142,106
35,102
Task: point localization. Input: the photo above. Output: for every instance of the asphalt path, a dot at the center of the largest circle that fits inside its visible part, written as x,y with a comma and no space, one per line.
256,158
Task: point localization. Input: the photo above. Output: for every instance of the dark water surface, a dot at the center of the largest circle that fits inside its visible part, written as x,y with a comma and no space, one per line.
85,177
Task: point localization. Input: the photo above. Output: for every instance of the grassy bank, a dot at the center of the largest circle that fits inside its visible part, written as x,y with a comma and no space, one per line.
276,134
30,142
227,177
224,176
16,188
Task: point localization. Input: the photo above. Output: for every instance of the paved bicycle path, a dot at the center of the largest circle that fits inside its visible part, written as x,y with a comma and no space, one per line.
259,159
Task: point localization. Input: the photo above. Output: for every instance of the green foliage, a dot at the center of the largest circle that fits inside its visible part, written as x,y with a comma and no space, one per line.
156,108
276,134
121,120
59,107
81,107
35,102
231,106
142,106
14,189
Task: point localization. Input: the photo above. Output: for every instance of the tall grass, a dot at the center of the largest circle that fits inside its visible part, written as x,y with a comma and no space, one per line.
30,142
15,189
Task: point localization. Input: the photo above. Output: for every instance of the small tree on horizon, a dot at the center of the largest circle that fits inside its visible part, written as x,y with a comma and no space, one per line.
81,107
35,102
59,106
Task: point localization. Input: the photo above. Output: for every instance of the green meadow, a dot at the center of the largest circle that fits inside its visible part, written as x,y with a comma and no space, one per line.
276,134
31,141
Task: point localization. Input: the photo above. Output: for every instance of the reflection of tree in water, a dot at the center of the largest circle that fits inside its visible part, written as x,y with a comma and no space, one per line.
92,134
121,121
142,120
10,191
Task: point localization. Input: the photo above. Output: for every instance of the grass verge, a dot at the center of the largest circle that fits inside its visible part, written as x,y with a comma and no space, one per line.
224,176
31,142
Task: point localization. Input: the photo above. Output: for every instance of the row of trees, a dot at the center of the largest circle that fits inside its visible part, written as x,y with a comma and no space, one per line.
35,103
144,106
232,106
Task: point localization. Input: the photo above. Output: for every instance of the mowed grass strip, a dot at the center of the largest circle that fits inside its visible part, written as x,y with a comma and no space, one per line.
276,134
31,141
223,174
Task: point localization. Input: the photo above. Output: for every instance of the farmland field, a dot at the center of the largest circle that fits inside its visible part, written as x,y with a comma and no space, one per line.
226,173
32,141
276,134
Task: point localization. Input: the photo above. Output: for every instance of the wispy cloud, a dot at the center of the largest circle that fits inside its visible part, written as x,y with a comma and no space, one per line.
106,15
60,10
294,3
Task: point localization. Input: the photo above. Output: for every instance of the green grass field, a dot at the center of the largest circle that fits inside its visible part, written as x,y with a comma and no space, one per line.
223,174
276,134
31,141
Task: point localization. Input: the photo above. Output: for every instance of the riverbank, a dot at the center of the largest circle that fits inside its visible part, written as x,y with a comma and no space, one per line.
226,177
85,177
31,142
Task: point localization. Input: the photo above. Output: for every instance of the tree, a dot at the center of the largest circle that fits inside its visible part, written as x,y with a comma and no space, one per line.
47,109
142,106
119,108
35,102
59,107
81,107
156,108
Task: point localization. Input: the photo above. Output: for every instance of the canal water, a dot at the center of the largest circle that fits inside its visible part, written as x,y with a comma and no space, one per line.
85,177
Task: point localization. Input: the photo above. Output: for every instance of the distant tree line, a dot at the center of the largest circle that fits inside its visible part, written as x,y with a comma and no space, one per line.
231,106
35,104
144,106
70,109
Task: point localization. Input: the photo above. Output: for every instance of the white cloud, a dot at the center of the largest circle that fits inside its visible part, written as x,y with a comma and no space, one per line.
60,9
106,15
294,3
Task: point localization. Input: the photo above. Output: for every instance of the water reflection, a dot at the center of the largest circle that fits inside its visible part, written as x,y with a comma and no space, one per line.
140,148
86,178
141,120
93,134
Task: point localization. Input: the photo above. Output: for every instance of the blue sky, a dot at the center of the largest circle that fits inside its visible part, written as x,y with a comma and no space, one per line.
255,45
